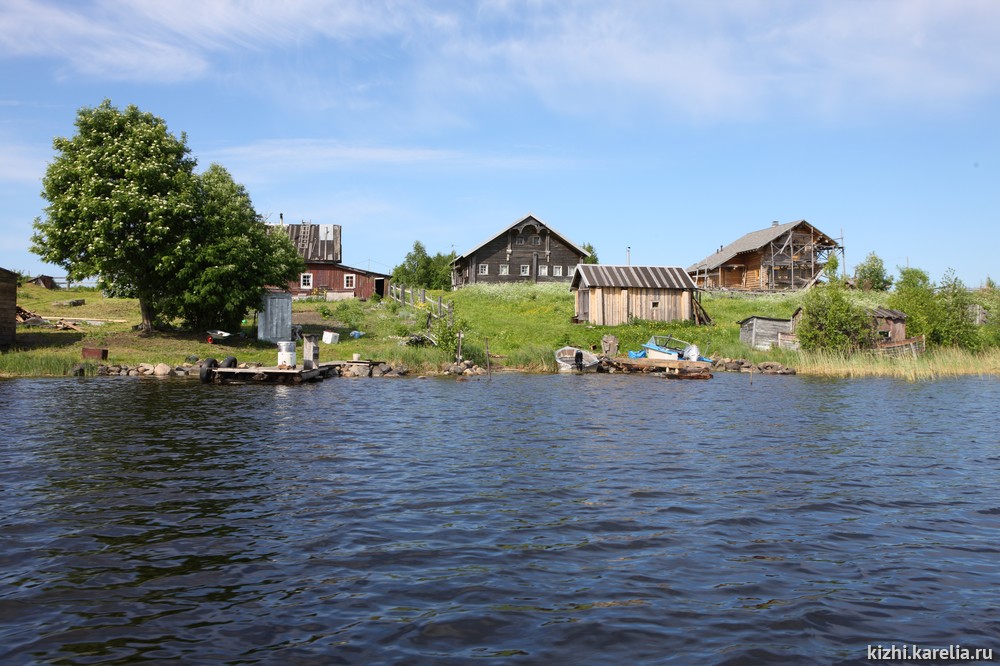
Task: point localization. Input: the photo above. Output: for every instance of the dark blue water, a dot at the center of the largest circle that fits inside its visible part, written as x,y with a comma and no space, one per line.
526,520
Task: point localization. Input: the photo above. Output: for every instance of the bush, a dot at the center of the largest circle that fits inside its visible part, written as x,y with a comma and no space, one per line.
831,322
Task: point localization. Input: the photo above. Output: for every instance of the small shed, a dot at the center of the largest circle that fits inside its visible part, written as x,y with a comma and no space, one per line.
890,325
46,281
764,332
613,295
8,307
274,319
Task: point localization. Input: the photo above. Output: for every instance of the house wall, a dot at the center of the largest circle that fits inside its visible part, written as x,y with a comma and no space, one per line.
895,329
330,280
8,307
504,250
611,306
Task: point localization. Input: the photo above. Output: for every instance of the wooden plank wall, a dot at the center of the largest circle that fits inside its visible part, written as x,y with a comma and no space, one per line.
8,307
611,306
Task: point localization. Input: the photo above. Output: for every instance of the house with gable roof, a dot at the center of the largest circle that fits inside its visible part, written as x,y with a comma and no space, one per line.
528,250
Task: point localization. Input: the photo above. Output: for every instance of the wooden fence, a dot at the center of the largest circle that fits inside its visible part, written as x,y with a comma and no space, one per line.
414,298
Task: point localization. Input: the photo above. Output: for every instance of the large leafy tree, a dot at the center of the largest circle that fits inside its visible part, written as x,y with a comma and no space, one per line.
228,259
121,200
914,295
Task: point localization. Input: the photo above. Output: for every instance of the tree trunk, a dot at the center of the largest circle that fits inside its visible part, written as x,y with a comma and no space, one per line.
146,310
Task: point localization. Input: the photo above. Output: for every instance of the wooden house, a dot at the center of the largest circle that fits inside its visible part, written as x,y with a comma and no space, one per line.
528,250
613,295
780,257
8,307
325,276
46,281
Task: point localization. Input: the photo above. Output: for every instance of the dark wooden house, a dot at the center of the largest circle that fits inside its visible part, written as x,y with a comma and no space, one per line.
612,295
781,257
8,307
529,250
325,276
46,281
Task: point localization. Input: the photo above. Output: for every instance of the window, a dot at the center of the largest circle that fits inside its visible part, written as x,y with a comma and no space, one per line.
484,269
536,240
504,269
306,280
543,270
525,269
519,240
349,281
655,304
557,271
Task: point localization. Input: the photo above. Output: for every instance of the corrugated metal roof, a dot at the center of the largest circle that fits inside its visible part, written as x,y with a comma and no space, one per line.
748,243
645,277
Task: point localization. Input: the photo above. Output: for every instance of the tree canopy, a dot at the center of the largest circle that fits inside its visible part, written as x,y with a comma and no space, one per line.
419,269
870,274
831,322
126,206
592,257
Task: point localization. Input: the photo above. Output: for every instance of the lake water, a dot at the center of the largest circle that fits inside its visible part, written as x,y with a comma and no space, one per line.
524,520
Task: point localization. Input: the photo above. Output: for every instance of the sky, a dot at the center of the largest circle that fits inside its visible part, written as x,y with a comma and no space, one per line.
655,130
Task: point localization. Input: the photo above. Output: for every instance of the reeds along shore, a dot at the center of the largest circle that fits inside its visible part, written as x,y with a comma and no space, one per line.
521,325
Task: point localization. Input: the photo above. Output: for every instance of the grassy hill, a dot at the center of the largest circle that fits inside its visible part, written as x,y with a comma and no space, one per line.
521,324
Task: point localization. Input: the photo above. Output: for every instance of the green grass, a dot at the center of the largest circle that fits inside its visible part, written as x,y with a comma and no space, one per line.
521,324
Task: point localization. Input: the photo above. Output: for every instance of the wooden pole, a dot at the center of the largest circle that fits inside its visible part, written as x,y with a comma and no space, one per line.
486,344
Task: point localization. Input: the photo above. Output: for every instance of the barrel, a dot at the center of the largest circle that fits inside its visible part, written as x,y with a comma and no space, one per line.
286,354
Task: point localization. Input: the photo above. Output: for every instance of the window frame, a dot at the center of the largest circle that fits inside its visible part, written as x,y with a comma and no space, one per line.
305,280
350,281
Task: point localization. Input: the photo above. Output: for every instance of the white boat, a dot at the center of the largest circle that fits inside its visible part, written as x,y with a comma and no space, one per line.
672,349
574,359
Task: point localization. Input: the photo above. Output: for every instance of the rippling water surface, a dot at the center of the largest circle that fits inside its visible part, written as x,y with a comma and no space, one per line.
528,519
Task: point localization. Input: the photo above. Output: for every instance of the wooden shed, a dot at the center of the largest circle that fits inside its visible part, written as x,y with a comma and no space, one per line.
46,281
780,257
613,295
274,319
890,325
764,332
8,307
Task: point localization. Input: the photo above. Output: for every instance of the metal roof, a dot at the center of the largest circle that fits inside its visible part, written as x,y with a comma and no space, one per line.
645,277
748,243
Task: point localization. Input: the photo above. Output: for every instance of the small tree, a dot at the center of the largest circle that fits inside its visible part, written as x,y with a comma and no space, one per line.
914,295
954,325
419,269
592,256
831,322
120,196
870,274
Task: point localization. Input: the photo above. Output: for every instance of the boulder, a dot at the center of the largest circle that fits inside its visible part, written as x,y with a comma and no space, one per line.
162,370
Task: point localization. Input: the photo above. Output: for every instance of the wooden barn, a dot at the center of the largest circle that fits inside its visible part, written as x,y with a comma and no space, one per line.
781,257
324,276
528,250
613,295
8,307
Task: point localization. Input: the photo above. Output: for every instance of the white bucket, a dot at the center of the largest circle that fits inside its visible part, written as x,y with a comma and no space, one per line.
331,337
286,354
357,357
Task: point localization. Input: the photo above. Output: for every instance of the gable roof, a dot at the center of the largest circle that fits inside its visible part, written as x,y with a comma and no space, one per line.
643,277
527,219
750,242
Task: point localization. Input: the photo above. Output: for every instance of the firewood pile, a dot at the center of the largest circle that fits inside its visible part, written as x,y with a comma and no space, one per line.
23,316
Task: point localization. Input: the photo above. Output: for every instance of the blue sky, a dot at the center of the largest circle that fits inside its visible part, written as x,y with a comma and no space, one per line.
668,127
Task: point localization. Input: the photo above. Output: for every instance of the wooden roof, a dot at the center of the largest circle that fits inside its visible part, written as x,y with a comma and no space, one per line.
643,277
523,222
314,242
751,242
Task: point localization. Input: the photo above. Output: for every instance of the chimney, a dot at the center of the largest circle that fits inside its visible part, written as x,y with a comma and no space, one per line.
774,223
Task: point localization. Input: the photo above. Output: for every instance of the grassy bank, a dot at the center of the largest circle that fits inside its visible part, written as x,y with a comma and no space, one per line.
520,324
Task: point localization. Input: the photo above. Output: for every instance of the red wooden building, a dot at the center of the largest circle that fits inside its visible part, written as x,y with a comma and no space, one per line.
325,276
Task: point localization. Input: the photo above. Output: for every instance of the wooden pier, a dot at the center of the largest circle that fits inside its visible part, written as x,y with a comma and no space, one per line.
275,374
672,369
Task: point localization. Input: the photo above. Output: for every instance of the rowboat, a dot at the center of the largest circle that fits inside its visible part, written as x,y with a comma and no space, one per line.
574,359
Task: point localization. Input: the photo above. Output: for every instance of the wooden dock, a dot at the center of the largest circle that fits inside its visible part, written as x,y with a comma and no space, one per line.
274,374
673,369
